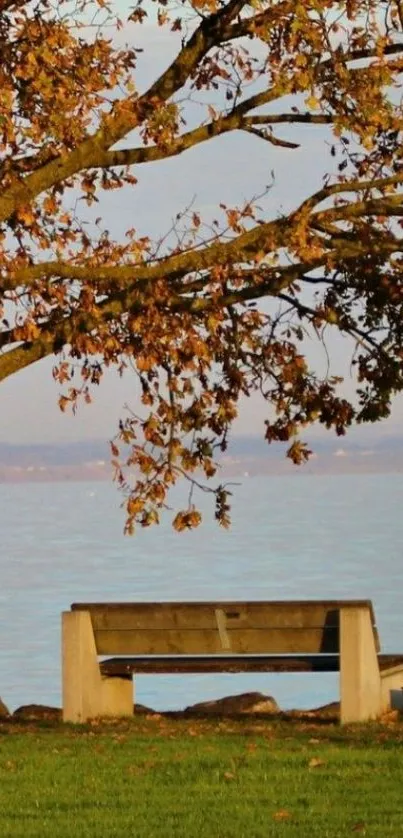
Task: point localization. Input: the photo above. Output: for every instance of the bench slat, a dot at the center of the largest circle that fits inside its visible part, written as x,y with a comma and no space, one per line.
188,664
199,642
230,663
202,615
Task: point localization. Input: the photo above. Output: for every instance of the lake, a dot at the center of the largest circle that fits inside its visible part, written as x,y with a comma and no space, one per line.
292,537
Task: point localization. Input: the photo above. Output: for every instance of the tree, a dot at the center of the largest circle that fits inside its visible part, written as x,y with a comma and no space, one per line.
220,311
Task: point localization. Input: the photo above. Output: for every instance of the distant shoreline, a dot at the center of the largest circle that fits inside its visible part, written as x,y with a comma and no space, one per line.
323,465
249,456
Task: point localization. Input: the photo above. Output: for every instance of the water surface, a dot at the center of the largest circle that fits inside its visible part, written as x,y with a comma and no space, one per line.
292,537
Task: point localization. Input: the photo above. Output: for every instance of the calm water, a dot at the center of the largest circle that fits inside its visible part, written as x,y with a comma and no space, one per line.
292,537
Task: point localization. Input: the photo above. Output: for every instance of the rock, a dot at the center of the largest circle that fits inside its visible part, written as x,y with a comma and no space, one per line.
4,711
332,709
38,712
142,710
235,704
330,712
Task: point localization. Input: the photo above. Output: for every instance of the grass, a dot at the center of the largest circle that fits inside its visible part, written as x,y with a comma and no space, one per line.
200,779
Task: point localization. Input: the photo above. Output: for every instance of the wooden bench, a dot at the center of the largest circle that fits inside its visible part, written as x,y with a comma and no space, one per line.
202,637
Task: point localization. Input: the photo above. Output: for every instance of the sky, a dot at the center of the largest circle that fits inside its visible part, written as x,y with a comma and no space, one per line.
228,169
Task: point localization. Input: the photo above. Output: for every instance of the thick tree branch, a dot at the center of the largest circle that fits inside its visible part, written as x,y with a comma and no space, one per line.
239,248
261,238
260,282
358,185
23,356
54,337
391,205
231,122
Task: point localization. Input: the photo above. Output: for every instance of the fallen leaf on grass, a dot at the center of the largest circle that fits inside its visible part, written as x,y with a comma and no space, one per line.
313,741
229,775
359,827
282,815
10,765
251,747
315,762
144,768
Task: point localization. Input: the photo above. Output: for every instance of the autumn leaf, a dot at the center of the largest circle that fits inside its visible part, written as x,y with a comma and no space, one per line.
187,520
299,452
26,215
316,762
63,403
282,815
312,102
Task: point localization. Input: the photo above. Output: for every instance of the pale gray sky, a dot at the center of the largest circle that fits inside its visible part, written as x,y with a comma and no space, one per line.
227,170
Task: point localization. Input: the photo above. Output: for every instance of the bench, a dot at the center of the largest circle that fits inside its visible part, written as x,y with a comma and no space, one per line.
204,637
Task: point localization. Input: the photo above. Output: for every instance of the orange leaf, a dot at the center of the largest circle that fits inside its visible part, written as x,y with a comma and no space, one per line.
315,762
282,815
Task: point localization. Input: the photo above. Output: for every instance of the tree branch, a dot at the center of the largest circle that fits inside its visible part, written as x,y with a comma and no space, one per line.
147,154
353,330
261,22
260,282
350,186
262,237
22,356
126,116
236,119
256,24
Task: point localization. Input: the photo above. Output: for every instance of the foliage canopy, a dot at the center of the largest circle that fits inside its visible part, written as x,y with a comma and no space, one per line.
219,310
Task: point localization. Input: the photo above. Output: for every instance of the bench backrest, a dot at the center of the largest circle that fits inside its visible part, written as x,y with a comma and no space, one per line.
208,628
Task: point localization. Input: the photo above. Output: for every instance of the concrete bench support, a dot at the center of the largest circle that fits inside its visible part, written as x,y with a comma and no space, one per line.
360,679
392,689
86,693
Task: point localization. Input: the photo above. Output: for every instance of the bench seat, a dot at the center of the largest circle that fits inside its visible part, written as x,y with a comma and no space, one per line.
201,664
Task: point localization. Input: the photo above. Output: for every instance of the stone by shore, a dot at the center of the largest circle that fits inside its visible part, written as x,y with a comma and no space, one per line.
252,703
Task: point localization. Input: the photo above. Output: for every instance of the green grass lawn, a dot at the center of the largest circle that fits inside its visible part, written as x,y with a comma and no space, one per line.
200,779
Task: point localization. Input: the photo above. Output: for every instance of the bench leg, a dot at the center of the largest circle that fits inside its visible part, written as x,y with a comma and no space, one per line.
360,680
117,696
86,694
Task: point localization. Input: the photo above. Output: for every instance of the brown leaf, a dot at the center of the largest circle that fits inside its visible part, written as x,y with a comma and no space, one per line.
282,815
316,762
